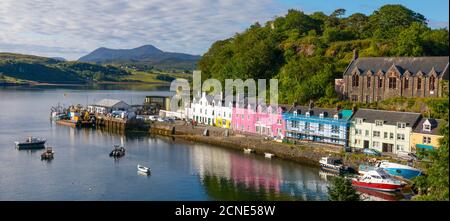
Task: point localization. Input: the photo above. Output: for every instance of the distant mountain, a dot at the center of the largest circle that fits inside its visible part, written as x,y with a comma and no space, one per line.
59,58
147,55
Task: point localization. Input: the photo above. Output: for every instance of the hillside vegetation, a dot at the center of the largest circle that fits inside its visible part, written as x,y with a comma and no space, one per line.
28,68
307,52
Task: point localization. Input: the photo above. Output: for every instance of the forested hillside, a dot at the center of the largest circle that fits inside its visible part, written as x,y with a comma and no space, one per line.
306,52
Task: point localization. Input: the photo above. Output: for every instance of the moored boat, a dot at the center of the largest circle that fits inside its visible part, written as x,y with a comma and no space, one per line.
268,155
248,150
394,169
47,154
31,143
332,164
143,169
401,170
117,151
377,180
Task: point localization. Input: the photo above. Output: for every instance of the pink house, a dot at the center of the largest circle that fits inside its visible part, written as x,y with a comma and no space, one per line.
264,120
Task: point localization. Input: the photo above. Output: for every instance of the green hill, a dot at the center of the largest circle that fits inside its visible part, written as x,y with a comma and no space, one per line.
47,70
306,52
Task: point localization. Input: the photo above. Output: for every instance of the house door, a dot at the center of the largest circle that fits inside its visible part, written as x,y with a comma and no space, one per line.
366,144
387,147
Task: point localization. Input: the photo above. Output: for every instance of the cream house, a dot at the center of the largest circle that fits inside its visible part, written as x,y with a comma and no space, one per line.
426,135
385,131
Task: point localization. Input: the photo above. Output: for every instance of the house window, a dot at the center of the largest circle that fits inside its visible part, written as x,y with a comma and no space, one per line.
307,125
357,141
367,99
400,147
376,144
321,127
368,81
355,81
427,127
380,82
354,98
385,135
336,116
295,112
379,123
400,137
334,129
392,83
391,136
321,115
367,133
307,114
406,83
358,132
426,140
432,79
359,120
376,133
419,83
401,125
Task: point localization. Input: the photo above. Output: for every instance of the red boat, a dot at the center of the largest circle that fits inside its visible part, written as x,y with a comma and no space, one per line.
377,180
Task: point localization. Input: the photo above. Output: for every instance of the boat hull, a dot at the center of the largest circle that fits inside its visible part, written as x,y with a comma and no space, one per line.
377,186
403,172
29,146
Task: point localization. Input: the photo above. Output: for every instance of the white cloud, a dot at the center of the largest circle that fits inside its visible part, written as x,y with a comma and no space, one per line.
72,28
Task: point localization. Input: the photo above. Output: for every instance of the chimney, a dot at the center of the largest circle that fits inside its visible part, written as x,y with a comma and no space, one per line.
355,54
203,94
311,105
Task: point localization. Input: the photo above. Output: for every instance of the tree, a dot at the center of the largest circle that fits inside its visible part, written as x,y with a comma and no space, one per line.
435,184
341,189
409,41
389,19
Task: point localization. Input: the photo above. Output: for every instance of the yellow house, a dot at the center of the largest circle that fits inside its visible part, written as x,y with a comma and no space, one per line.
426,135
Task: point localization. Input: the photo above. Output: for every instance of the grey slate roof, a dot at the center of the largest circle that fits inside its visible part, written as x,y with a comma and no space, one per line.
412,64
108,102
389,117
301,110
435,123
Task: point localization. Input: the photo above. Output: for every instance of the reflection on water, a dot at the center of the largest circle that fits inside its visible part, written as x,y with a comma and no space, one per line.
231,175
83,170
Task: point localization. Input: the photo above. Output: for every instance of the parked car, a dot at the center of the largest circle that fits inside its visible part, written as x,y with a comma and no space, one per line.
160,119
372,152
407,156
153,118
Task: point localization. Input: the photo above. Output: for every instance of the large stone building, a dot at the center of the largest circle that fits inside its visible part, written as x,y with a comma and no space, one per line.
373,79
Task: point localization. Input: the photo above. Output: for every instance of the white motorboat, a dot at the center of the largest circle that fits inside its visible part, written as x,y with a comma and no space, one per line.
268,155
143,169
248,150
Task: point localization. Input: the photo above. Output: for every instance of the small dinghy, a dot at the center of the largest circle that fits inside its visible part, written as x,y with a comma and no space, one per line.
117,151
268,155
47,154
248,150
143,169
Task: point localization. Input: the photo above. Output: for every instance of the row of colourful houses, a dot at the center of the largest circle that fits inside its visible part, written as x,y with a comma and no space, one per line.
386,131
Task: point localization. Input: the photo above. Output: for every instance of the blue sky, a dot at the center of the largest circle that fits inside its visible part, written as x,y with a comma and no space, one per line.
73,28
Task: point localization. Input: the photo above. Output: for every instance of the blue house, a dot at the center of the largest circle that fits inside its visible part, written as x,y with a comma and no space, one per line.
323,125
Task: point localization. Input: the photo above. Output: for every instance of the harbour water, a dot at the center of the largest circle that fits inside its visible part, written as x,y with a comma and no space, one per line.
83,170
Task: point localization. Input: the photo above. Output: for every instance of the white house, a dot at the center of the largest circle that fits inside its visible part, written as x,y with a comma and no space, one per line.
202,110
108,106
385,131
222,112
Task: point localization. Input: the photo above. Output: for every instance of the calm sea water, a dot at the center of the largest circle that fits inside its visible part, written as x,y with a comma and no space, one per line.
83,170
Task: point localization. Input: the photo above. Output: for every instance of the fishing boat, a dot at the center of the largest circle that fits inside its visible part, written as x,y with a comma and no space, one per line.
394,169
268,155
377,180
47,154
143,169
401,170
117,151
332,164
248,150
31,143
